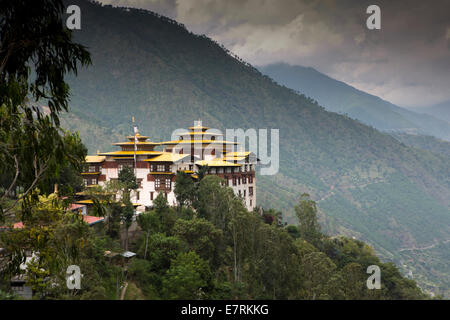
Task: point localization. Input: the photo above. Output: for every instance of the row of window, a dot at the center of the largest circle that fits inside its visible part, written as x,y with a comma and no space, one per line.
250,192
153,195
167,183
245,168
238,180
88,182
166,168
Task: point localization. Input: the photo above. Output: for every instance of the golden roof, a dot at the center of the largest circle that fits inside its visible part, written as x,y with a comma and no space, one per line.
233,158
201,133
198,142
94,159
138,135
238,154
196,127
89,201
130,143
168,157
131,153
216,163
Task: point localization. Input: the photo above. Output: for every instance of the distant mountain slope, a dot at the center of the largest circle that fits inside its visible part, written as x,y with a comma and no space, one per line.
339,97
440,110
429,143
370,185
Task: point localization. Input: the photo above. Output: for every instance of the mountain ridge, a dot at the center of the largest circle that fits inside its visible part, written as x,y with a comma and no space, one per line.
337,96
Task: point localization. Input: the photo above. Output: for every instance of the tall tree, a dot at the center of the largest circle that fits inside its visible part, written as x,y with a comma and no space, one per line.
309,226
184,189
129,183
33,37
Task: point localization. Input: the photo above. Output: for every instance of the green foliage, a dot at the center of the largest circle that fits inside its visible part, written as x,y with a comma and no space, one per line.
184,189
201,237
127,177
233,254
188,277
308,225
33,148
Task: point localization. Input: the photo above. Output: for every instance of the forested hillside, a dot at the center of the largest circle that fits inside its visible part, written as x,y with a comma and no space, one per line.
208,247
369,185
429,143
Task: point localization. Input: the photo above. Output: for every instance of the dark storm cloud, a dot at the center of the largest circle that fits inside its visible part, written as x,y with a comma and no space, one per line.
406,62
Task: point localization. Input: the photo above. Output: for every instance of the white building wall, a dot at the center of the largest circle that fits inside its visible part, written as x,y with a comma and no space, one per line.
149,186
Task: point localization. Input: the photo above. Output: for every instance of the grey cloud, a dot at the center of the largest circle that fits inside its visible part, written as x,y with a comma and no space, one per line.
407,62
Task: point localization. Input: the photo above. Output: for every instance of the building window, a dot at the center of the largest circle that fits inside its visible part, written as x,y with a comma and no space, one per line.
151,195
165,195
250,179
239,193
92,168
239,180
137,195
191,167
244,180
157,183
160,168
85,182
213,170
234,181
250,202
250,191
228,170
245,191
168,184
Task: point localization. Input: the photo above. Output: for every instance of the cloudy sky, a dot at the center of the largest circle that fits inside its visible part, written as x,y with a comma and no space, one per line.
407,62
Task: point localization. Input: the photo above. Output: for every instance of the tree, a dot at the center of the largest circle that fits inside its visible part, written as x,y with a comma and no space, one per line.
189,277
184,189
146,222
32,145
56,238
214,201
128,181
308,226
127,218
200,236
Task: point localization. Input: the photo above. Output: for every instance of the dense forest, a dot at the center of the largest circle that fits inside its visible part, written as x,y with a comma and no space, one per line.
208,247
366,183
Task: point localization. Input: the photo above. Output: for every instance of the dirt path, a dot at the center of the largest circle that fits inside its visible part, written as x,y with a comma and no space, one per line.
424,248
124,290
